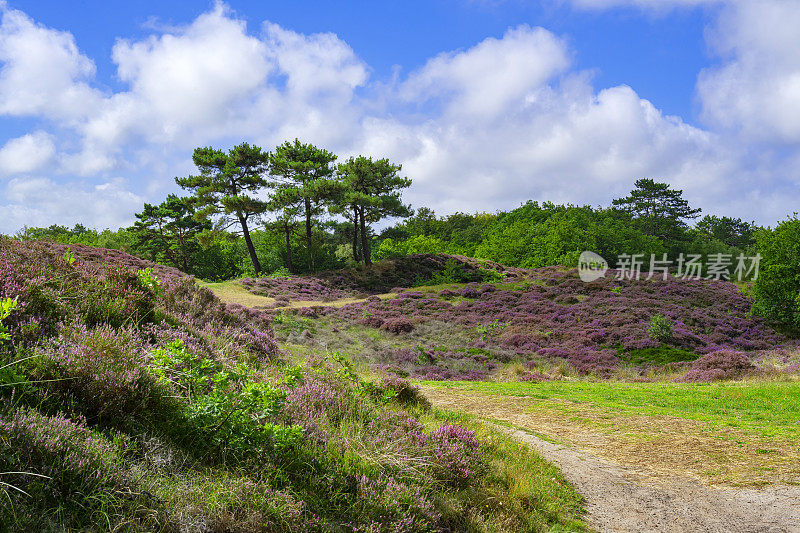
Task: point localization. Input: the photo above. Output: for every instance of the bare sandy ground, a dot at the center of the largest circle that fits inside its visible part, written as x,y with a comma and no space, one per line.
629,498
620,498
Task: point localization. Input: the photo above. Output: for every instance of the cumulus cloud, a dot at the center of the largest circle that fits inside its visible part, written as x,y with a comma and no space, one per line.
43,73
756,89
492,75
41,201
525,127
482,128
28,153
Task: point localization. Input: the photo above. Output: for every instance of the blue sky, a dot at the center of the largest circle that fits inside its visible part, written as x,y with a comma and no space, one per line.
486,103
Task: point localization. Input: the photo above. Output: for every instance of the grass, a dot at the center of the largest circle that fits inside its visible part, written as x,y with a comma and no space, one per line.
739,433
233,292
530,487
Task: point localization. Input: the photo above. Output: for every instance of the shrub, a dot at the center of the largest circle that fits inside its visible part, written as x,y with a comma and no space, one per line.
397,325
776,291
70,473
458,454
660,328
722,364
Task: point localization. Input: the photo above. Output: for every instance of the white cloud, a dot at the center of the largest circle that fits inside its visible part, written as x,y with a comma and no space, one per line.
484,128
43,73
492,75
40,201
28,153
755,92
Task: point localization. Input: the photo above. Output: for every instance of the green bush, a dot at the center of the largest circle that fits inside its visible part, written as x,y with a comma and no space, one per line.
660,328
776,291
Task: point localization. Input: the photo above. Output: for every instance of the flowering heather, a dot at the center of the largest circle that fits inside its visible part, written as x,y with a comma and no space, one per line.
80,466
458,453
394,506
309,402
389,275
294,288
722,364
181,414
553,315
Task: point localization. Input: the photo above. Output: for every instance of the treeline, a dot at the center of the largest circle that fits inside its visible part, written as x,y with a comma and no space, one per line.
295,211
652,219
252,211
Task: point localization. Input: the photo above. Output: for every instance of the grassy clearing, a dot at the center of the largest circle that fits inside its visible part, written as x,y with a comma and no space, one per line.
735,433
232,292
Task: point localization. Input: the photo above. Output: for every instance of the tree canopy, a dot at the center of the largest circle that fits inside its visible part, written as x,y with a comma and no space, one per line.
227,185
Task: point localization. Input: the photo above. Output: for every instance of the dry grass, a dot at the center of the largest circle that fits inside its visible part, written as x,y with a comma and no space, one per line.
232,292
663,446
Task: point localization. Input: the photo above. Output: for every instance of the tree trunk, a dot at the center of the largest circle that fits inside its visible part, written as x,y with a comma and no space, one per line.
365,241
356,255
250,247
288,250
184,255
308,232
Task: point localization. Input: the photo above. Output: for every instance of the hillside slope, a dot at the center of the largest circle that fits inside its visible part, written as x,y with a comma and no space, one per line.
131,399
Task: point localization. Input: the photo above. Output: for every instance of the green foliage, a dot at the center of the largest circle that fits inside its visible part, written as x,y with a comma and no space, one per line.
417,244
147,279
6,306
371,189
658,210
168,232
530,236
776,291
490,330
291,323
661,355
228,185
453,273
226,406
120,239
660,328
280,272
732,232
303,184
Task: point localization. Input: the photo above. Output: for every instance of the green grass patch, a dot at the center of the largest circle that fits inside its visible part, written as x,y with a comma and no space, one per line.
660,355
764,409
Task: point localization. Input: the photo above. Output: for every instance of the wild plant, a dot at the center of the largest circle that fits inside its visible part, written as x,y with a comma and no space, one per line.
660,328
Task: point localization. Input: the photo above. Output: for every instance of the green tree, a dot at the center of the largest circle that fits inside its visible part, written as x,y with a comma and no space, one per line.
167,232
227,184
658,210
776,291
372,190
305,175
730,231
285,223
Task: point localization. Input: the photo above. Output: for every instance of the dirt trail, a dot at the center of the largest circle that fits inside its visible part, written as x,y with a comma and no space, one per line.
625,498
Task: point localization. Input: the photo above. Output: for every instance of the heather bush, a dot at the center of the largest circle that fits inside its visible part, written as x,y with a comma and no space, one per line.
458,454
69,474
397,325
722,364
394,388
181,414
101,372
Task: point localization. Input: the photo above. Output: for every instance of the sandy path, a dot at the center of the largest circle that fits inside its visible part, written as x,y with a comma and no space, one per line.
625,498
619,498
